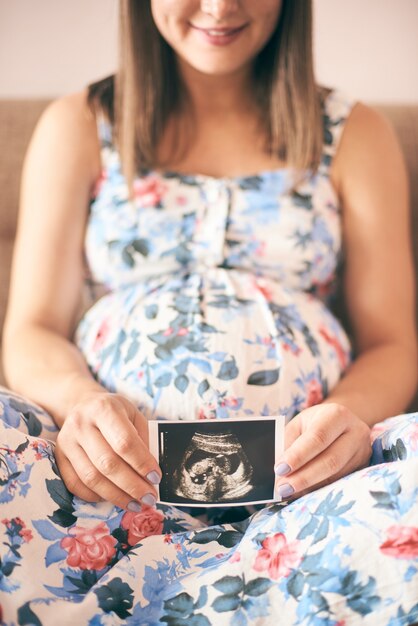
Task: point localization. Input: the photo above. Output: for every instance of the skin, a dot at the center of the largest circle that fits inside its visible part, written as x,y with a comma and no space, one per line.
179,24
102,448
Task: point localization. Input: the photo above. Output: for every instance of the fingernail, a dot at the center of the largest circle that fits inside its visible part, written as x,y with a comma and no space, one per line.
134,506
282,469
284,491
149,499
154,477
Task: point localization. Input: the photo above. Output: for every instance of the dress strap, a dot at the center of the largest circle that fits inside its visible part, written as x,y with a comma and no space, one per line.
336,110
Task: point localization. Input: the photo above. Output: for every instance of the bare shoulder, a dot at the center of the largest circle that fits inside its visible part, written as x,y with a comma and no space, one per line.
67,128
369,145
72,109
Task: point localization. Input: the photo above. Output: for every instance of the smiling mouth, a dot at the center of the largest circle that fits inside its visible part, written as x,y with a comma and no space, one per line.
220,32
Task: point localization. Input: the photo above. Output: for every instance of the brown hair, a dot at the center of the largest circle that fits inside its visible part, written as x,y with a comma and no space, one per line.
147,89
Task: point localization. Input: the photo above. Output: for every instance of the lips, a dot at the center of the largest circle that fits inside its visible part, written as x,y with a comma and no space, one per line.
220,32
219,36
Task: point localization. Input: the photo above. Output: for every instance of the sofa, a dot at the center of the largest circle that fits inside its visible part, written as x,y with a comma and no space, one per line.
18,118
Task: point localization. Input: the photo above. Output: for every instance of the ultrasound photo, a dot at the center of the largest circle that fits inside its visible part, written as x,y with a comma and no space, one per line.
217,463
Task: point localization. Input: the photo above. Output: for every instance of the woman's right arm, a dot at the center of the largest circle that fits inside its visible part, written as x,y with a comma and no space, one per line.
60,167
102,447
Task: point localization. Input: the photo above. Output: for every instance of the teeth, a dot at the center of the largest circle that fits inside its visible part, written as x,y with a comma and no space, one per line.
217,33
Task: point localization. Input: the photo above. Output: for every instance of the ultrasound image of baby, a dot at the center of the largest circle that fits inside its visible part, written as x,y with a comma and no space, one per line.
214,467
217,462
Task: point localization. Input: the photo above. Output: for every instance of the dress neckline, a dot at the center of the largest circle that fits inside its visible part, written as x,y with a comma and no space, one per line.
279,172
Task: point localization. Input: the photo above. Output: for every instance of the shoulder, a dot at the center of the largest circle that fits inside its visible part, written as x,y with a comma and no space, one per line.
368,128
368,145
72,109
67,129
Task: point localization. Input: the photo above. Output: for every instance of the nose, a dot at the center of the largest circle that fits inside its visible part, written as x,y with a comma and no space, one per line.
218,8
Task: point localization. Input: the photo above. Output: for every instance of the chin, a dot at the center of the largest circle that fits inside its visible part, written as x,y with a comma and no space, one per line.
217,67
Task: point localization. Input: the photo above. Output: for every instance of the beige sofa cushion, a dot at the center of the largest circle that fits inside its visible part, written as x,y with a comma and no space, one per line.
18,118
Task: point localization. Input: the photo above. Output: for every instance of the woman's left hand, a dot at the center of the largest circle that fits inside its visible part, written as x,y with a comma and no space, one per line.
322,443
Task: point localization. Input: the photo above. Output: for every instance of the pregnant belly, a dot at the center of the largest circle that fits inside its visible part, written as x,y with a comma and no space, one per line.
223,344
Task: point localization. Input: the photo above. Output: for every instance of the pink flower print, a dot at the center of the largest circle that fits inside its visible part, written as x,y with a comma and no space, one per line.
39,446
207,412
147,522
39,443
333,341
401,542
101,335
293,349
231,402
322,290
413,440
277,556
149,191
235,558
89,548
261,248
314,393
377,430
98,184
263,286
26,534
181,200
17,525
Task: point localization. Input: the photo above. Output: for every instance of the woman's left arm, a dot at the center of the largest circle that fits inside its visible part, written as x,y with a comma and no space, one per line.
331,439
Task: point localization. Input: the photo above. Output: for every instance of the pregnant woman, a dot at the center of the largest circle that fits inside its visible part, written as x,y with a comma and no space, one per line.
185,227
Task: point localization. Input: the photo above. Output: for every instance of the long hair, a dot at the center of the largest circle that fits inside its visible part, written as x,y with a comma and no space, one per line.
147,89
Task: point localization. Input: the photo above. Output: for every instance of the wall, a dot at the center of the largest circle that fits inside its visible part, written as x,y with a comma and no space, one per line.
368,48
50,47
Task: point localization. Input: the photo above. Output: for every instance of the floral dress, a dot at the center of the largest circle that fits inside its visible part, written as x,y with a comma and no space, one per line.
210,299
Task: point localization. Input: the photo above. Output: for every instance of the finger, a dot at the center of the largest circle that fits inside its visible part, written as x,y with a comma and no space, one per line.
72,480
348,468
310,443
135,416
114,468
291,432
356,462
332,464
95,481
123,438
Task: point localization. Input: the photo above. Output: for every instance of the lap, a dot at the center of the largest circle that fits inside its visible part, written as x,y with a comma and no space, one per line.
26,416
348,551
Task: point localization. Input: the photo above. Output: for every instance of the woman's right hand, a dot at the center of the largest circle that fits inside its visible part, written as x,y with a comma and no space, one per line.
102,452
